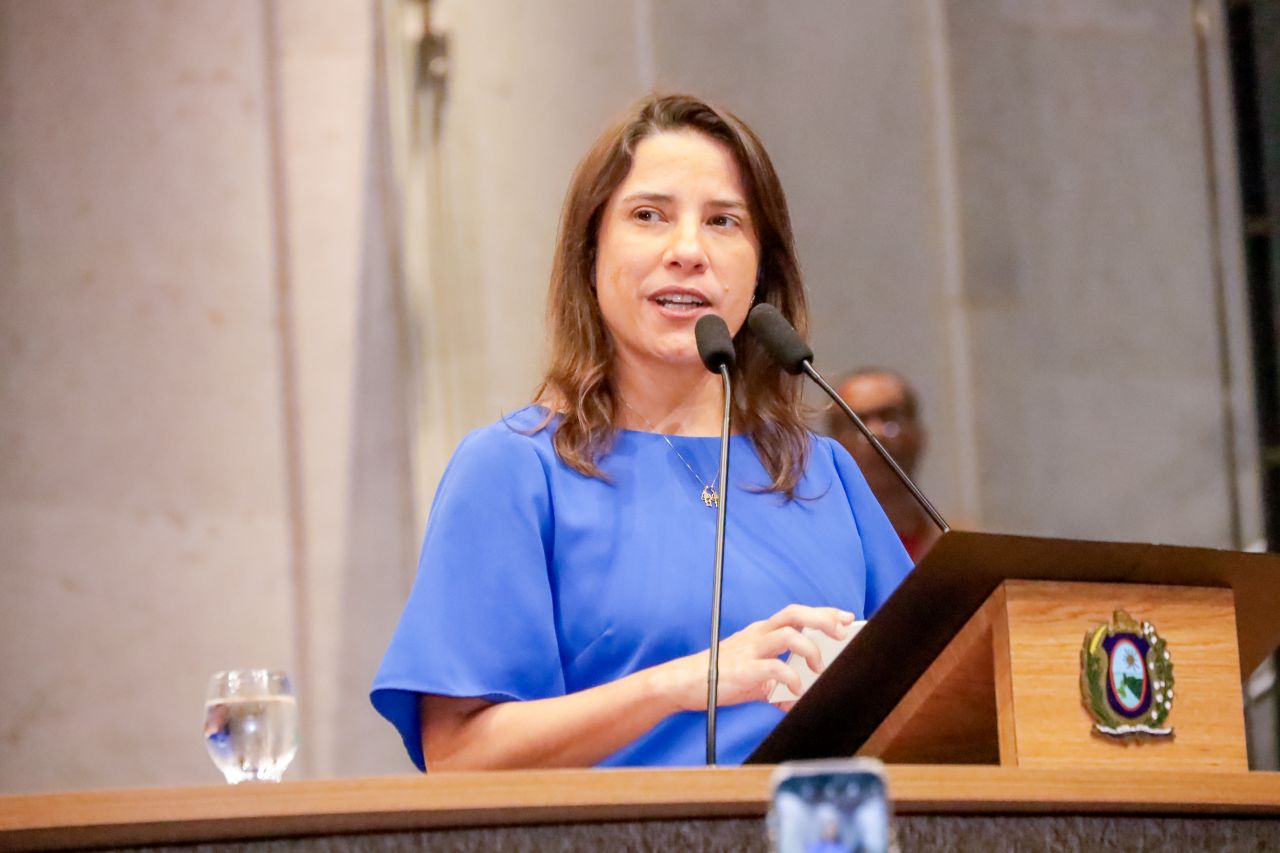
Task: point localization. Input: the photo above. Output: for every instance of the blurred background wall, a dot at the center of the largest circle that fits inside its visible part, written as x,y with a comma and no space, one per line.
264,262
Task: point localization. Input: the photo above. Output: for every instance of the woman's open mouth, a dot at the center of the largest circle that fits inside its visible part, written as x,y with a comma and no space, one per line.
680,302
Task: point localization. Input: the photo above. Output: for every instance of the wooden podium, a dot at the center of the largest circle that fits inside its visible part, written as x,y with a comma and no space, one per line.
975,659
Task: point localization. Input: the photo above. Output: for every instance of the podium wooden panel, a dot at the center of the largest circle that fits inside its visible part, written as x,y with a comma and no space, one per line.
923,681
526,799
1006,689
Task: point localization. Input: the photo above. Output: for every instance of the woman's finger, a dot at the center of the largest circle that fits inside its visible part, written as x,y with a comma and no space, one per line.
791,640
838,626
830,620
777,671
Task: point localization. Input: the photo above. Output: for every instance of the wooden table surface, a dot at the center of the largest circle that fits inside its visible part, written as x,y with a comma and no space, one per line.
207,813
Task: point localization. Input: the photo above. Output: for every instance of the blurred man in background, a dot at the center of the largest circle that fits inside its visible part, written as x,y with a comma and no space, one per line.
888,405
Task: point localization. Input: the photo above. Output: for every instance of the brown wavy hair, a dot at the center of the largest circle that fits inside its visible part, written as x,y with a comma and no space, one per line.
577,385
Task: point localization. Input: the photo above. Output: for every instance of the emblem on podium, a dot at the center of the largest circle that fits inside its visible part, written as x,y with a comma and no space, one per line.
1126,678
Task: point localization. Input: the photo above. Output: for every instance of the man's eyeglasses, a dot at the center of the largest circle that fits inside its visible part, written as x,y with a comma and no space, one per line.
891,422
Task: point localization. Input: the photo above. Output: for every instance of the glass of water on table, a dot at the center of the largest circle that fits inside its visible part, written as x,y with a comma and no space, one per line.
251,724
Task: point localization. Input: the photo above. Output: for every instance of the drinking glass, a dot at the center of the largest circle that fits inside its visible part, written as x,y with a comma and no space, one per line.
251,724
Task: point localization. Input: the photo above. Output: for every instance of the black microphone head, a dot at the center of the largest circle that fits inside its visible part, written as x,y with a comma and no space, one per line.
715,344
778,337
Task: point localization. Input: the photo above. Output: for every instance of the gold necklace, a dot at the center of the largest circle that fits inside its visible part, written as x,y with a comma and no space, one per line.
710,496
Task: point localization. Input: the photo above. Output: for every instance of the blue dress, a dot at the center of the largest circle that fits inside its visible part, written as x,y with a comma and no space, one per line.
536,581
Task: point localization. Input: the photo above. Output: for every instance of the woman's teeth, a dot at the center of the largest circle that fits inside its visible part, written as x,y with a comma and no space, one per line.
680,300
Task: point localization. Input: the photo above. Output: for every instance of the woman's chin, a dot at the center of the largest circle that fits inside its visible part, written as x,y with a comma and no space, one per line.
675,352
673,358
682,357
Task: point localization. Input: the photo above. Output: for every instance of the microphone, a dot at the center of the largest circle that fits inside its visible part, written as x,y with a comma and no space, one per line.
715,344
794,356
786,347
715,347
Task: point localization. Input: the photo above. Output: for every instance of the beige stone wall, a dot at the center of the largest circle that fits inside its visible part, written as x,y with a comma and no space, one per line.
202,441
143,512
1110,390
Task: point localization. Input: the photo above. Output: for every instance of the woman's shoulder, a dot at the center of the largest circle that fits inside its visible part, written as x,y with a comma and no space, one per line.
510,457
825,450
520,435
828,458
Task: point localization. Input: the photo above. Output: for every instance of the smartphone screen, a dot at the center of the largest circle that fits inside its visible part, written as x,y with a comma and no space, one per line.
837,806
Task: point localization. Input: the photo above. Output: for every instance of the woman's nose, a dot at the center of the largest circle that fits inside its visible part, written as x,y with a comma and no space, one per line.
686,250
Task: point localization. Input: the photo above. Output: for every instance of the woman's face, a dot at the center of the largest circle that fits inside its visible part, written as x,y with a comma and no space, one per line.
676,242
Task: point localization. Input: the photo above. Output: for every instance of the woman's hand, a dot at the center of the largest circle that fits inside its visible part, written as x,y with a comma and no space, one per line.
583,728
749,660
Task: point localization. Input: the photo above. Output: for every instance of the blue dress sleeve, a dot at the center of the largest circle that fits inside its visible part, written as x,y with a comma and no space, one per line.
886,558
480,619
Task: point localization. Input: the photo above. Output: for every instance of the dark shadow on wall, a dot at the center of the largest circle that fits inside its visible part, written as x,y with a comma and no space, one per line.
382,532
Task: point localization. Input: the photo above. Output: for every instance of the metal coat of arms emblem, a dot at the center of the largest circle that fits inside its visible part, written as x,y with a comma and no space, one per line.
1126,678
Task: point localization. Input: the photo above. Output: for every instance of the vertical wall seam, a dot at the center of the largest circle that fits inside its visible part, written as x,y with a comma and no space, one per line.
646,55
295,495
958,332
396,230
1201,22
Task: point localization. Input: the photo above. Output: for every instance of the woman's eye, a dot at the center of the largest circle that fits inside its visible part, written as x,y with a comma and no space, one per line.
724,220
646,214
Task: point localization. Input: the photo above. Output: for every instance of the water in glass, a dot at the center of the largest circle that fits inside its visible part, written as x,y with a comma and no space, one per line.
251,724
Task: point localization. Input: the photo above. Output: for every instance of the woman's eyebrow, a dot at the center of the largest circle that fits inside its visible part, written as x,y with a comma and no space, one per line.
667,198
656,198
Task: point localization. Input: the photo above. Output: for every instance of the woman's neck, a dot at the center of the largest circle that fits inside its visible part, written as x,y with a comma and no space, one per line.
676,400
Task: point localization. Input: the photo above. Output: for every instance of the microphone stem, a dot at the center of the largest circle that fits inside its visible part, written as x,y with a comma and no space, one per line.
713,669
875,442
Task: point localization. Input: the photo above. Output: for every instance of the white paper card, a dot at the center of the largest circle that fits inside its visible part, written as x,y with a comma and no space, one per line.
828,647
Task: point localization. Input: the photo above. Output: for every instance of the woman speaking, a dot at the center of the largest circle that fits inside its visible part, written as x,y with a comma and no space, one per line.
561,610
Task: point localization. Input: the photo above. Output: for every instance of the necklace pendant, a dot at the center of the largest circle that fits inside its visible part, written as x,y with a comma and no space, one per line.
710,497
